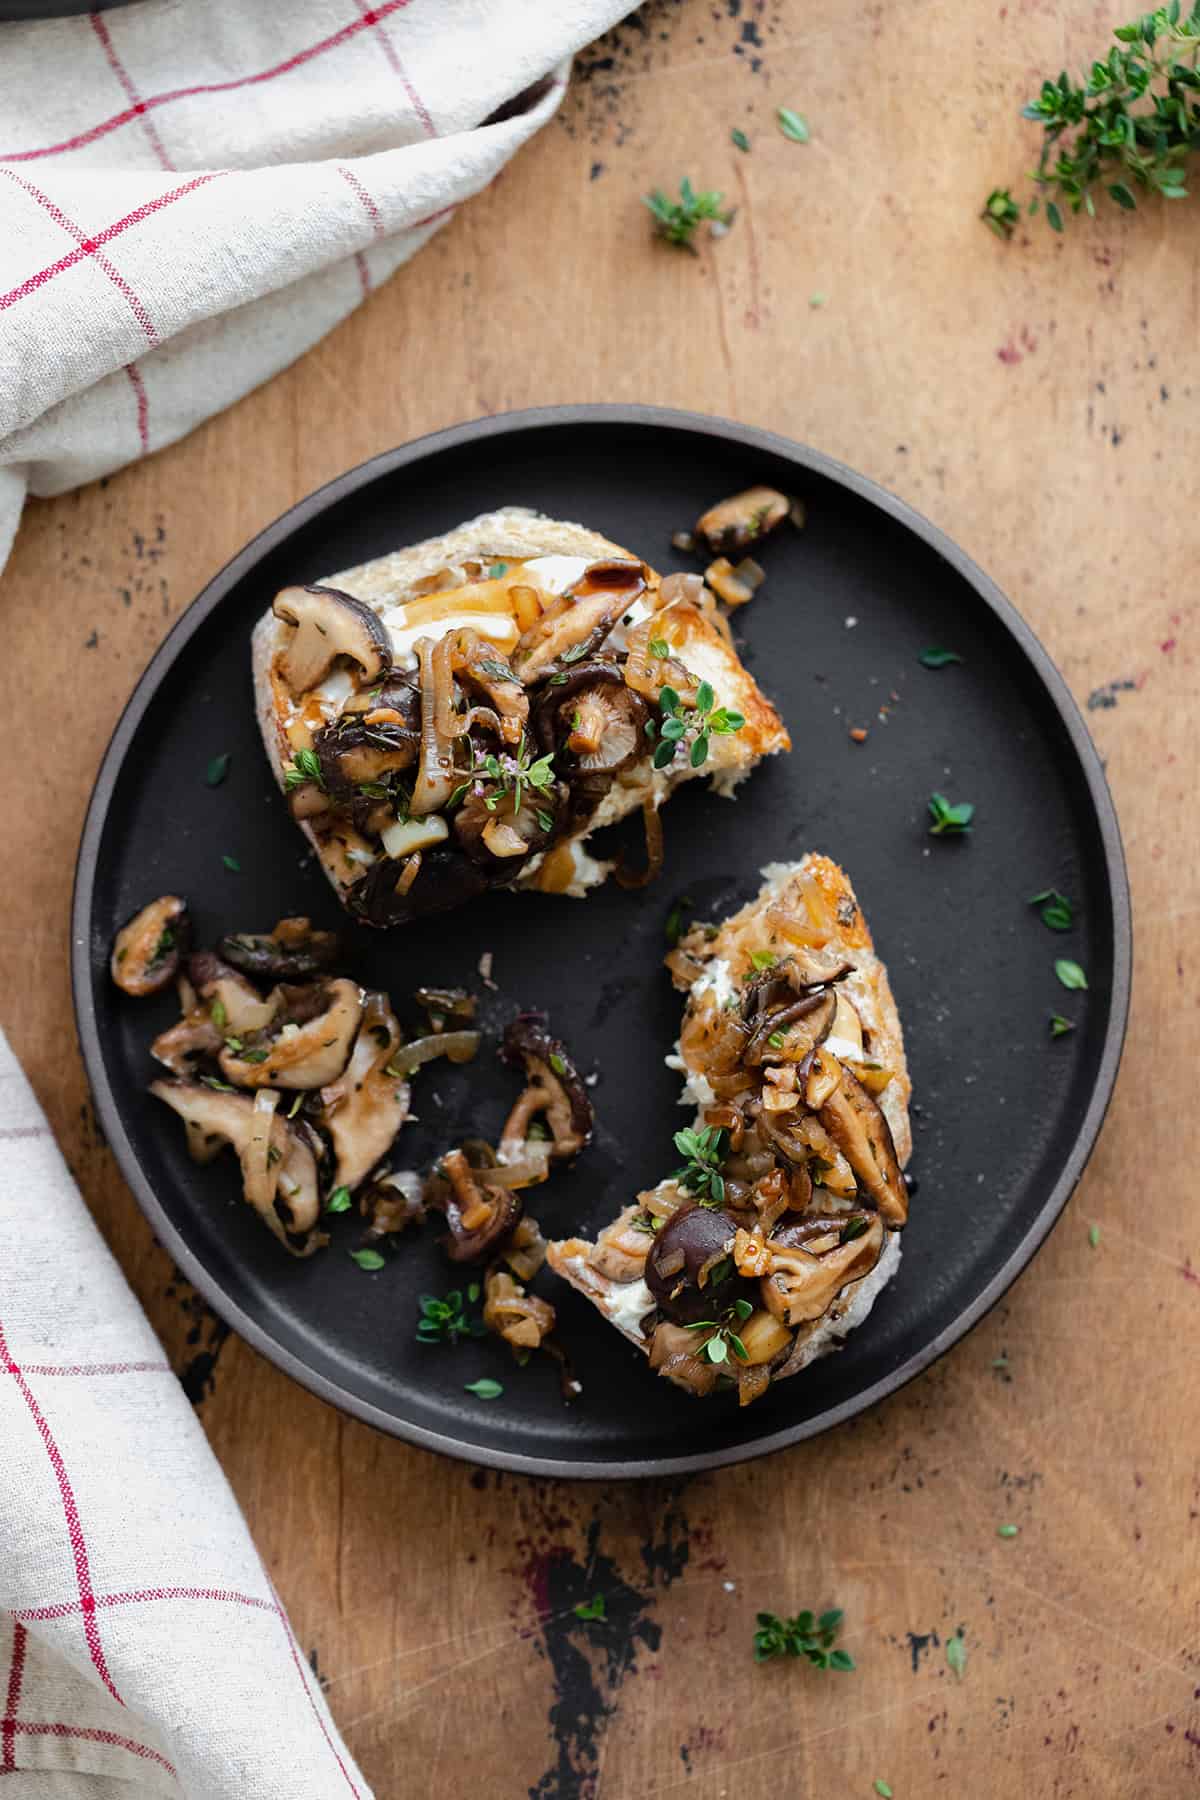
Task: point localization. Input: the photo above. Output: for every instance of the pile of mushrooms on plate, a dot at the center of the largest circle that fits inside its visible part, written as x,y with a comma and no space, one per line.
307,1078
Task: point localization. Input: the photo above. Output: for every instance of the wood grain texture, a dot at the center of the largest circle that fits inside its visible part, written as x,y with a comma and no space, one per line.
1037,401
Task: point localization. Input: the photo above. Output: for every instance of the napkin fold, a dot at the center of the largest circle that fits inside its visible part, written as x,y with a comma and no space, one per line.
192,195
142,1645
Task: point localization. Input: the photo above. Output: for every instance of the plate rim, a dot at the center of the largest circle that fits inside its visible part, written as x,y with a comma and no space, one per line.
196,614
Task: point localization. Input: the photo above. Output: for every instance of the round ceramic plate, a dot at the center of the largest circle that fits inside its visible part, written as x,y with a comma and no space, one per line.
1005,1115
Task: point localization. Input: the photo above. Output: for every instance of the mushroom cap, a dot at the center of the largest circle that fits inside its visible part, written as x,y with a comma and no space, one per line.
309,1056
446,878
329,624
692,1240
147,949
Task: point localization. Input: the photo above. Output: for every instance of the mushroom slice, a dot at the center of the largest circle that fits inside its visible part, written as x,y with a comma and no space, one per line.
804,1283
146,953
279,1168
235,1007
580,628
606,728
554,1088
196,1034
673,1354
621,1248
521,1319
480,1217
292,952
365,1107
732,525
856,1125
393,1200
329,624
310,1055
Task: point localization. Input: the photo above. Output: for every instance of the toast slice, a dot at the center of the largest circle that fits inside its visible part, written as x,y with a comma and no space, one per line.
777,1237
465,713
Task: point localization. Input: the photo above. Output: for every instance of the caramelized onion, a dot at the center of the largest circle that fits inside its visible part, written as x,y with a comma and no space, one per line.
652,821
459,1046
647,674
435,767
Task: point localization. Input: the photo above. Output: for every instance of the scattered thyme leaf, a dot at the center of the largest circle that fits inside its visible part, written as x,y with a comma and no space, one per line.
674,925
557,1063
232,864
444,1321
793,125
938,659
1007,1531
1070,973
370,1260
591,1609
882,1788
763,959
739,139
218,768
304,766
484,1389
949,818
1094,1236
497,570
1001,213
1056,910
338,1201
956,1654
1059,1026
218,1015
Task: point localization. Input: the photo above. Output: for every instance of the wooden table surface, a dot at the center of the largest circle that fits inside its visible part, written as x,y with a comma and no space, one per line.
1036,400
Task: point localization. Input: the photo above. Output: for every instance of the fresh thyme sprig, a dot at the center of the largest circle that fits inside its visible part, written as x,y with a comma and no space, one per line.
1131,123
723,1331
805,1635
700,720
701,1173
445,1321
676,220
507,774
304,766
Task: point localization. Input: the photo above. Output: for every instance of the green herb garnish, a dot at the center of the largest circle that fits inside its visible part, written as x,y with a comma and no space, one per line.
367,1259
793,125
1070,973
701,1173
497,670
739,139
218,768
853,1228
558,1063
445,1321
1007,1531
777,1040
1094,1236
763,959
1135,117
1057,911
252,1056
1059,1026
232,864
949,818
511,773
222,1087
497,570
700,720
938,659
956,1654
882,1788
676,220
304,766
338,1201
591,1609
484,1389
218,1015
805,1635
659,647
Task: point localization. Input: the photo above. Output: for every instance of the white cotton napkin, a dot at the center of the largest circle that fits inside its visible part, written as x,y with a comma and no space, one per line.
142,1646
193,194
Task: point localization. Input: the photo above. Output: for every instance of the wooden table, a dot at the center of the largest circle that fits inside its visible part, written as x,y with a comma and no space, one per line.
1036,400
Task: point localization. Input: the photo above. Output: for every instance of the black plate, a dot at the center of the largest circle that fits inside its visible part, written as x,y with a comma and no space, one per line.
1006,1117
